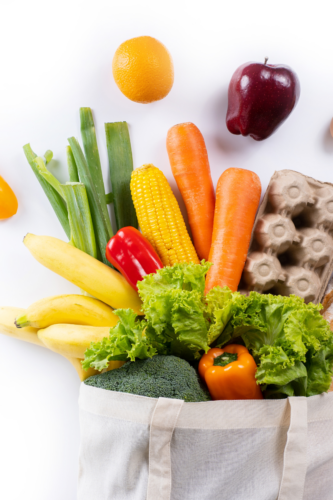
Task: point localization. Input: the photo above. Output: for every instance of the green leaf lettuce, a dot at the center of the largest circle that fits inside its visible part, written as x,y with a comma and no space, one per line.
290,341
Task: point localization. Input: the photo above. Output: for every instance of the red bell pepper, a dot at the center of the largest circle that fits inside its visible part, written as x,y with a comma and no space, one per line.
133,255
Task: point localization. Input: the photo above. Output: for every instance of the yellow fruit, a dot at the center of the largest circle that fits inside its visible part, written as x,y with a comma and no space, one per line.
8,200
72,340
87,273
29,334
70,309
143,70
83,374
7,326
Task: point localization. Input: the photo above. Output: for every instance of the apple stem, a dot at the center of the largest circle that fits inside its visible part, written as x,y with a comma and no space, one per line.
266,59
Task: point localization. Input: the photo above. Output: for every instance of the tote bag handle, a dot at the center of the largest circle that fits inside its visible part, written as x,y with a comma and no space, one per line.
295,452
162,425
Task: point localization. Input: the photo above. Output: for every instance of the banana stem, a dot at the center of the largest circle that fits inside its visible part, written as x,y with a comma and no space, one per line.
22,321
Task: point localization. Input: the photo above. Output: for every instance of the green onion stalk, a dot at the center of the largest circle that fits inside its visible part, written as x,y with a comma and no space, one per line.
90,174
82,229
121,167
68,200
56,200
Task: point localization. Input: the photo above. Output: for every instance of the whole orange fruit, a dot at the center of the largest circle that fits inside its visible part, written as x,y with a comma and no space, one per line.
143,70
8,200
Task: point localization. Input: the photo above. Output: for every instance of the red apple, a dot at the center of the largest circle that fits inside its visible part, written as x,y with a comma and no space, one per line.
261,96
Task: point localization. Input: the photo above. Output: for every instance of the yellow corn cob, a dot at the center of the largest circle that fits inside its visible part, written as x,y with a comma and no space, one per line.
159,216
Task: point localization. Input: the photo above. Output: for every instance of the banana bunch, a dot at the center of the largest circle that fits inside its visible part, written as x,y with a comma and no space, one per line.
66,324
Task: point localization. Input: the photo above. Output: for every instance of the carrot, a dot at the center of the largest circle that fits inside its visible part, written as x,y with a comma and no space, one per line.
190,167
237,198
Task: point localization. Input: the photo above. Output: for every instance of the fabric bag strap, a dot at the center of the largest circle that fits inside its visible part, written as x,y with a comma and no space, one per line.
162,425
295,452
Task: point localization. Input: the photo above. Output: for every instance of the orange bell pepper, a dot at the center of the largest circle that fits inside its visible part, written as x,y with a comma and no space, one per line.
230,373
8,200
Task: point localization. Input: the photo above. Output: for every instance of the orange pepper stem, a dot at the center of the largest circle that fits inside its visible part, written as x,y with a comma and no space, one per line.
225,358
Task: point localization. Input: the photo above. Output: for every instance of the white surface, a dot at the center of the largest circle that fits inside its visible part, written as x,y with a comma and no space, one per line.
57,57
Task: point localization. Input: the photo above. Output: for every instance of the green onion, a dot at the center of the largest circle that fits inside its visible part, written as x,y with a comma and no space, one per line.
82,230
72,168
109,198
90,147
53,196
121,167
48,156
99,212
48,176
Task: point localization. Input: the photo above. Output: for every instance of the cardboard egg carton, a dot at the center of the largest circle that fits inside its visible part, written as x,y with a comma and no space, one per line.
291,250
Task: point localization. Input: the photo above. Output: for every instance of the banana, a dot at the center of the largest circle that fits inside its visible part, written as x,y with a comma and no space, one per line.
29,334
87,273
72,340
84,374
7,326
70,309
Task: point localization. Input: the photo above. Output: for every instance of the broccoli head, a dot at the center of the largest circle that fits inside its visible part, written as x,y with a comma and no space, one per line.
159,376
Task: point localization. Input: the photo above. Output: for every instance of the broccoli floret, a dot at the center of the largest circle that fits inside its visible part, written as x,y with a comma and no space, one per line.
160,376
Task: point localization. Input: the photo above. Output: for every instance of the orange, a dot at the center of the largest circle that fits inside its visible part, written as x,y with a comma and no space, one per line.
8,200
143,70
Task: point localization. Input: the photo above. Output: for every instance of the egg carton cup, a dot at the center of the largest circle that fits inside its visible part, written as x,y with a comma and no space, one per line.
291,250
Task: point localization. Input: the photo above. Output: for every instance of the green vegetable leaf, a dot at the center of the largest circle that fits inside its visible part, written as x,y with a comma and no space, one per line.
47,175
121,167
127,340
174,306
278,366
184,276
319,367
109,198
290,340
223,305
57,202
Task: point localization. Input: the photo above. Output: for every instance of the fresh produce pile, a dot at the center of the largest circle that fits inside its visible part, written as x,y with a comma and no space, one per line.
161,312
291,342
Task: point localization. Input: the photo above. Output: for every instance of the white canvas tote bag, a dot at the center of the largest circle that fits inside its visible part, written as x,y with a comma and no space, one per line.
138,448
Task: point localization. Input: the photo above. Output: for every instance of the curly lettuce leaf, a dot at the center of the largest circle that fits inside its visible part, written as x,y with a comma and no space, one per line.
319,368
175,322
176,318
231,315
173,303
290,340
127,341
183,276
279,366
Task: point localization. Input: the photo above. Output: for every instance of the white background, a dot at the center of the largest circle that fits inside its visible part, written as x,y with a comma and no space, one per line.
56,57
